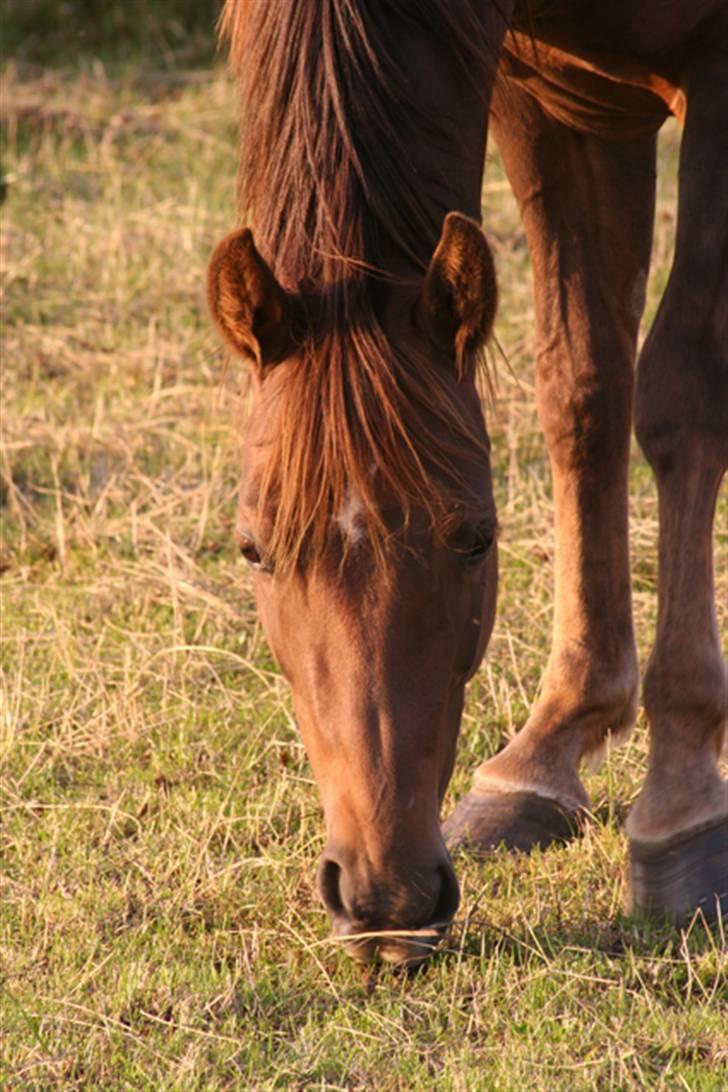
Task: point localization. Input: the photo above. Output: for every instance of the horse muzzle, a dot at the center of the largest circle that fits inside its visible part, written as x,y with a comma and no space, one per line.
400,922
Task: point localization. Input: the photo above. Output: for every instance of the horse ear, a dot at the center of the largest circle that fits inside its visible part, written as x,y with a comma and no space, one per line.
254,314
460,293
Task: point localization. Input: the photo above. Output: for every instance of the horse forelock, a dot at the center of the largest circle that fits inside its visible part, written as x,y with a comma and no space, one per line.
329,185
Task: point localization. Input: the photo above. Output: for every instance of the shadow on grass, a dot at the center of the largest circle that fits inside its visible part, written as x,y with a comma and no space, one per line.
611,941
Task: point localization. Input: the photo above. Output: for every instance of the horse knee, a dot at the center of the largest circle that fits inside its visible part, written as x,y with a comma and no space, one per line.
586,416
688,688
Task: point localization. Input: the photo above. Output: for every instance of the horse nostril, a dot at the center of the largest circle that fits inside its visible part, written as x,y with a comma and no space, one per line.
370,908
329,885
449,898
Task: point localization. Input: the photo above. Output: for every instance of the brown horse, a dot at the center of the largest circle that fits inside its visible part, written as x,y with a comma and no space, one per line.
362,295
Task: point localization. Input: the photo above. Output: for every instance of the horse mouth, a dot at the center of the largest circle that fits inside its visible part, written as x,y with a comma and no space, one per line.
403,947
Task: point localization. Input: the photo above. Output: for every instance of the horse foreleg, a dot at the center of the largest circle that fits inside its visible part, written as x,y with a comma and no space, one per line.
587,207
678,826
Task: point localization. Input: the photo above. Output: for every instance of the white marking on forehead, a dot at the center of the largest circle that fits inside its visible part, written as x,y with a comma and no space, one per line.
351,518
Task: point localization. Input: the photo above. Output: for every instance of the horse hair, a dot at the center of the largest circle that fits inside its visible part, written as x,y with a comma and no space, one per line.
326,179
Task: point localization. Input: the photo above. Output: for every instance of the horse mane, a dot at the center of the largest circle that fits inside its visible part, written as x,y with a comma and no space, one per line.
329,185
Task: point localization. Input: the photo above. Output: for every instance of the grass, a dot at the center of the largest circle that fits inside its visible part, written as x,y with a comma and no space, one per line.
167,34
159,827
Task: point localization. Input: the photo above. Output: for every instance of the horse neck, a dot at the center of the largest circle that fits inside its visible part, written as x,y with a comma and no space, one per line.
449,155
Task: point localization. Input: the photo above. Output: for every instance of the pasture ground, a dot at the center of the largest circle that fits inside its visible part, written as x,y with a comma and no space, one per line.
159,827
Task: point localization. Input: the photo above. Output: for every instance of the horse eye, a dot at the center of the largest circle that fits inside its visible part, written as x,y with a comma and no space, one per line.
480,541
249,551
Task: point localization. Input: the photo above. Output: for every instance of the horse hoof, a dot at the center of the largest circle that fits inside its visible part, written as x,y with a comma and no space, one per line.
679,877
521,821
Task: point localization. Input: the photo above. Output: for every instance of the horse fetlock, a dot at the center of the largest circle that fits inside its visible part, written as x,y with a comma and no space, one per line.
582,683
686,695
583,709
563,731
607,713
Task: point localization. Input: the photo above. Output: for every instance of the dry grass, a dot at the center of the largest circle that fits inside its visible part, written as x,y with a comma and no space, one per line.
159,826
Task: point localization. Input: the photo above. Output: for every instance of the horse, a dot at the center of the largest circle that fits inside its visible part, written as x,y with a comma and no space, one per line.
361,291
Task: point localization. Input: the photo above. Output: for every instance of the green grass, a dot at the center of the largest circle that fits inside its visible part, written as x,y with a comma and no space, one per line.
165,33
159,827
